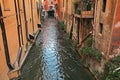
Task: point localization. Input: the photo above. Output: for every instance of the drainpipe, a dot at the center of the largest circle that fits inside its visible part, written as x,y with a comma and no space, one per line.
20,20
5,42
32,14
26,23
18,28
17,23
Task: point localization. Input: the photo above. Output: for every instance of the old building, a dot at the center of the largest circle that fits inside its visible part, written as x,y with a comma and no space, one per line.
107,27
45,4
78,17
83,17
49,4
18,19
59,9
55,5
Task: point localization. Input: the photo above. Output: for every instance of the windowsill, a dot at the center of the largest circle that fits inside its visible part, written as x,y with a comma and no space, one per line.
6,9
100,34
103,11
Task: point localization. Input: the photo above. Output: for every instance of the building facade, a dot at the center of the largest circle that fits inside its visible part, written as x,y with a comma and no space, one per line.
93,17
49,4
78,17
18,19
106,27
97,21
55,5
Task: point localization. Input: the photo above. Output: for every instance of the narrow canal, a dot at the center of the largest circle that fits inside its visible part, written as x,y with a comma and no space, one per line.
53,58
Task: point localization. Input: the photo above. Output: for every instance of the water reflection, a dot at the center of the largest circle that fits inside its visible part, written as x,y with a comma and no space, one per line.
53,58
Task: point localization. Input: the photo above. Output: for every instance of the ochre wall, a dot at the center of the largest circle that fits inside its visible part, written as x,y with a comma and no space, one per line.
106,18
12,32
115,37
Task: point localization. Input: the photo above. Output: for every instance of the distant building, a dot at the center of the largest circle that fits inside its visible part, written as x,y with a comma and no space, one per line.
55,5
49,4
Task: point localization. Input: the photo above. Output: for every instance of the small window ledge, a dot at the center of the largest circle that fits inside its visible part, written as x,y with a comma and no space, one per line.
7,9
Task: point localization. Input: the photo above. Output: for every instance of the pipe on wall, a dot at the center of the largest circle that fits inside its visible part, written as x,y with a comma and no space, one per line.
5,43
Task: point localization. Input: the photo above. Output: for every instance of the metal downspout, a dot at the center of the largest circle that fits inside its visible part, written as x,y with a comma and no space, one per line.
17,23
32,14
5,42
20,20
26,23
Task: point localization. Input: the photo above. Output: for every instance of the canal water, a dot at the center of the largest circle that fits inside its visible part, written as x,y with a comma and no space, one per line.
53,57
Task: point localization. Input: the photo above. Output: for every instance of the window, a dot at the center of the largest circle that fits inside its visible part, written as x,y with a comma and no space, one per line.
100,28
51,2
104,5
76,8
6,5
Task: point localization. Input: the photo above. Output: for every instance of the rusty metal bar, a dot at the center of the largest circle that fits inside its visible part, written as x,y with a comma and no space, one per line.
84,39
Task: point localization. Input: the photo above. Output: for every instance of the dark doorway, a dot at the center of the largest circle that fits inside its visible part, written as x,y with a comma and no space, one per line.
51,13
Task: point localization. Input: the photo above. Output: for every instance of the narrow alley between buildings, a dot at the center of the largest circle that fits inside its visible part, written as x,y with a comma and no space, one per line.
53,57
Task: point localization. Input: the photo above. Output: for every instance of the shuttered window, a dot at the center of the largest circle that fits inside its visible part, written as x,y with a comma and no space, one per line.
6,5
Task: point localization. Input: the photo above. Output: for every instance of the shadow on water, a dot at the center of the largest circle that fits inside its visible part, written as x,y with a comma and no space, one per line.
53,58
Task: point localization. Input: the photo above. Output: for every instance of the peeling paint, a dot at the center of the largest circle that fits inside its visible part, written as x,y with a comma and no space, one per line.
117,51
117,25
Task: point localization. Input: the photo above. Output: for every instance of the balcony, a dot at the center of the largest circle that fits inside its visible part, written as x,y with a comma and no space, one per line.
85,14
